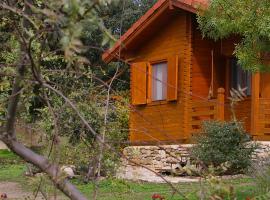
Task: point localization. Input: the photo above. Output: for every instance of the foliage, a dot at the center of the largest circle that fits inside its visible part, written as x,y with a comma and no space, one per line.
117,18
91,33
217,190
262,197
224,142
74,135
247,19
65,41
47,36
75,86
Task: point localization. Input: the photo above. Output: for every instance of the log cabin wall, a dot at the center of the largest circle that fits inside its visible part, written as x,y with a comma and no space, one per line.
201,64
265,85
263,125
164,121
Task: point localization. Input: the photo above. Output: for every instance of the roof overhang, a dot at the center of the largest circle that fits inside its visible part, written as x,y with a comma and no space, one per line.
159,8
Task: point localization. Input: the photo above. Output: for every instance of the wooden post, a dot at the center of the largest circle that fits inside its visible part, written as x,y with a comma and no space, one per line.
255,103
220,104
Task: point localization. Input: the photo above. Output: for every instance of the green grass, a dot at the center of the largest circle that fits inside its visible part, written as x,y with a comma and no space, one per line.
7,157
12,173
120,190
6,154
112,189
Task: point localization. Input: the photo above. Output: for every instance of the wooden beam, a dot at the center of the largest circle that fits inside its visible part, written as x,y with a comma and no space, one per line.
255,104
221,104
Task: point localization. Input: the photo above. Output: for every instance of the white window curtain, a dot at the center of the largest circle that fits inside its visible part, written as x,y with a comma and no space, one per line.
159,81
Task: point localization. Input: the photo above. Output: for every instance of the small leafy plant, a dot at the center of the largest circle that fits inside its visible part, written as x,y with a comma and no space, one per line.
224,142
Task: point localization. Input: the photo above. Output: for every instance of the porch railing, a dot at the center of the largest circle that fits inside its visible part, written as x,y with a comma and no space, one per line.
201,110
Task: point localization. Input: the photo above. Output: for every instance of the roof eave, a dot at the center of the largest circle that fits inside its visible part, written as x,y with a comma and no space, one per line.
184,6
112,53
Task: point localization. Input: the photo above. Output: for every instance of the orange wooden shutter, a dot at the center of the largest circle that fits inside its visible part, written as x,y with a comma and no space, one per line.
172,87
138,83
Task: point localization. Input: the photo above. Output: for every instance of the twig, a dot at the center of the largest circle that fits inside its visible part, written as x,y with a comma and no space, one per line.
20,13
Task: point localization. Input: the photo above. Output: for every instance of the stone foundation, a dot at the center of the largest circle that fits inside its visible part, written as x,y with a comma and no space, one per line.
146,162
165,157
263,150
157,158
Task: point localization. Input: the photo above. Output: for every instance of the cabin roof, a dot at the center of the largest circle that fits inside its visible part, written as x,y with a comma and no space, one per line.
134,31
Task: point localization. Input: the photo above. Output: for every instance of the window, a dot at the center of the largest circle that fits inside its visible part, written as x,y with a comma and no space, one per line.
154,81
240,77
159,81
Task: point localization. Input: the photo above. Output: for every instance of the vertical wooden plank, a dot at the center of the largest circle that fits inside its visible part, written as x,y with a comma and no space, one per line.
220,104
227,78
138,83
149,82
255,104
172,86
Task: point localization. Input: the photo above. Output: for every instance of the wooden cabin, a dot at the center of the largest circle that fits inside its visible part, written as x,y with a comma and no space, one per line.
179,79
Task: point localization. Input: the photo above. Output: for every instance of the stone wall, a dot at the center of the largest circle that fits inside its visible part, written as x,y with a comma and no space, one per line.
167,157
157,158
263,150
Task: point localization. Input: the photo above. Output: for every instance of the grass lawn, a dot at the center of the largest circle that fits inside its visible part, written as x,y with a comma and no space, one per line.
7,155
115,189
112,189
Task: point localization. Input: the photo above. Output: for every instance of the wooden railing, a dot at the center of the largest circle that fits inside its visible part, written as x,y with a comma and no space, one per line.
264,117
202,110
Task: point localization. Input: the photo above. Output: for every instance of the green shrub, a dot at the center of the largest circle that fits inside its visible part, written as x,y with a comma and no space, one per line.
224,142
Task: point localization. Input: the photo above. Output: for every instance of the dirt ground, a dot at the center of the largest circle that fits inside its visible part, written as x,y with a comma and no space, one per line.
15,191
2,145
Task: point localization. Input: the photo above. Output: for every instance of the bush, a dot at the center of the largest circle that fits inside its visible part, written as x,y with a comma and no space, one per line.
224,142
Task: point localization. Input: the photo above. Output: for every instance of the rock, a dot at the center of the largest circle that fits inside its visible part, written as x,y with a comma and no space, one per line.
69,171
158,158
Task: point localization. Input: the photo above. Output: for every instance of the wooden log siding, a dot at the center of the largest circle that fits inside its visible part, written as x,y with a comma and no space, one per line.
264,119
164,121
243,113
202,110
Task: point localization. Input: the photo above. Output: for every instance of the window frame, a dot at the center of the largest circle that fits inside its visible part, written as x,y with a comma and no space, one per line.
150,101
